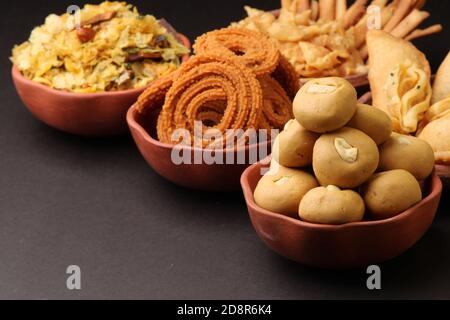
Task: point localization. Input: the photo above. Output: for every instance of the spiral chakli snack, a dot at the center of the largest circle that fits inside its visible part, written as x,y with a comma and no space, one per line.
217,91
155,94
277,107
254,50
286,75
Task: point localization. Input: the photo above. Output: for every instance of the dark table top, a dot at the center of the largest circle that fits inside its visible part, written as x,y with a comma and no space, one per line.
95,203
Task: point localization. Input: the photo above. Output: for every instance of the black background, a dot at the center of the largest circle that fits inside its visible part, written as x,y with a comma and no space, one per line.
95,203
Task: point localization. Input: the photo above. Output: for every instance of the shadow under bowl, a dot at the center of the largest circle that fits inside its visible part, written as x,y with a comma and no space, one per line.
99,114
351,245
204,176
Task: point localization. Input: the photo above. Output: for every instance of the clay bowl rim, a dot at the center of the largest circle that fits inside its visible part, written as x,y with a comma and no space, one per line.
365,98
134,124
352,79
443,170
17,74
435,191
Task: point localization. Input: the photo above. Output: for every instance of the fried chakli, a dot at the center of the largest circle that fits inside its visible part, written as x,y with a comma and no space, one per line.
193,96
254,50
155,93
236,84
277,107
286,75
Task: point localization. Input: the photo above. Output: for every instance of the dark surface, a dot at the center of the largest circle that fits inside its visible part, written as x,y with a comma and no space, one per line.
95,203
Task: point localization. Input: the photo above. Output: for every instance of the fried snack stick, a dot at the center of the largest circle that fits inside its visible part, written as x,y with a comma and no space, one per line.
386,15
287,77
361,29
419,4
303,5
419,33
252,49
314,10
203,80
341,9
411,22
379,3
277,107
327,9
403,7
286,4
354,13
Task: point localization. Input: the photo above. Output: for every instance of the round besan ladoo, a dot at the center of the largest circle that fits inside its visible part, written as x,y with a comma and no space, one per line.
325,104
409,153
389,193
294,146
373,122
345,158
331,205
282,189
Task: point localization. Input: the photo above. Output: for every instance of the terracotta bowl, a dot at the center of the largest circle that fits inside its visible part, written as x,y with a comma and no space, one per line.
213,177
96,114
351,245
366,98
443,171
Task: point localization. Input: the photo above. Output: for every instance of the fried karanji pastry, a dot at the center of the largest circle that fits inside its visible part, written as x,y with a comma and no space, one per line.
435,127
228,88
437,135
399,80
441,85
437,130
113,48
328,37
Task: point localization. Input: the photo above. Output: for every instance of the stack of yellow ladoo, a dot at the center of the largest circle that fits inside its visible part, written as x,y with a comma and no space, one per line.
339,161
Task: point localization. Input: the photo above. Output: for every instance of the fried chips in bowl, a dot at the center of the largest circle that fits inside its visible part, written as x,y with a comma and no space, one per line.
82,79
202,126
328,37
111,48
315,49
